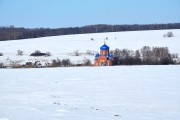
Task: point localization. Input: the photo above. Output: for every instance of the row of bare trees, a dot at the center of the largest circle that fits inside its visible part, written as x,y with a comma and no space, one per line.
67,63
146,56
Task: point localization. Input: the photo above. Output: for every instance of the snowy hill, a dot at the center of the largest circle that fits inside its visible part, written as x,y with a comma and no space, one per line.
64,46
89,93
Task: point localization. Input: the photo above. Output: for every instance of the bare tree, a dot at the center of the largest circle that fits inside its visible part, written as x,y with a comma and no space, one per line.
168,34
48,54
1,65
20,52
1,54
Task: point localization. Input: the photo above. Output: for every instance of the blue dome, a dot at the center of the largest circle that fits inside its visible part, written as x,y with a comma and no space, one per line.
111,55
97,55
104,47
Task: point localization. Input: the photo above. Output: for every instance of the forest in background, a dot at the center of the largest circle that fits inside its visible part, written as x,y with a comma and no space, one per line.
14,33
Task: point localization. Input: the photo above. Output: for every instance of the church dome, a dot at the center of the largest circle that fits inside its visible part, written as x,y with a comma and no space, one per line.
111,56
104,47
97,55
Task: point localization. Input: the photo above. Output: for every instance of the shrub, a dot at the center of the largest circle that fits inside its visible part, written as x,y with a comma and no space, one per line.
76,53
66,62
169,34
89,52
87,62
56,63
48,54
20,52
38,53
1,65
1,54
61,63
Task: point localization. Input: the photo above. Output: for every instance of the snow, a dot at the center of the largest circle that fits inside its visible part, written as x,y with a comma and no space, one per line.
91,93
63,46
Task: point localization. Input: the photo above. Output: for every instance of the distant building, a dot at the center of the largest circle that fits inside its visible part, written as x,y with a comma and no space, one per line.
105,58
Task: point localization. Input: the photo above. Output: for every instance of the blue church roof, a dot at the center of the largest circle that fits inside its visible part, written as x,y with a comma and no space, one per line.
104,47
97,55
111,55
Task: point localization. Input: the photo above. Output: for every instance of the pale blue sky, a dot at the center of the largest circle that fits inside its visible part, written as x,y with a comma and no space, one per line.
72,13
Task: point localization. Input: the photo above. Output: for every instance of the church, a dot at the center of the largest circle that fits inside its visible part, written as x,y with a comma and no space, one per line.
105,58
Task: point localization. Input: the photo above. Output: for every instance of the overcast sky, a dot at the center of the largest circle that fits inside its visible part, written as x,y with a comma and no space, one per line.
72,13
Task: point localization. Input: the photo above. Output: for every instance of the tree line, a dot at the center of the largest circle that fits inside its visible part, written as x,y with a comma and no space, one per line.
13,33
146,56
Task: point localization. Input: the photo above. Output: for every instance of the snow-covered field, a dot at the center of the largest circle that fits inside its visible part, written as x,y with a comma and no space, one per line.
63,46
91,93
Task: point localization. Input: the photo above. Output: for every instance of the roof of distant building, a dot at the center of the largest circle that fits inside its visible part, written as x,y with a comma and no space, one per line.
104,47
97,55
